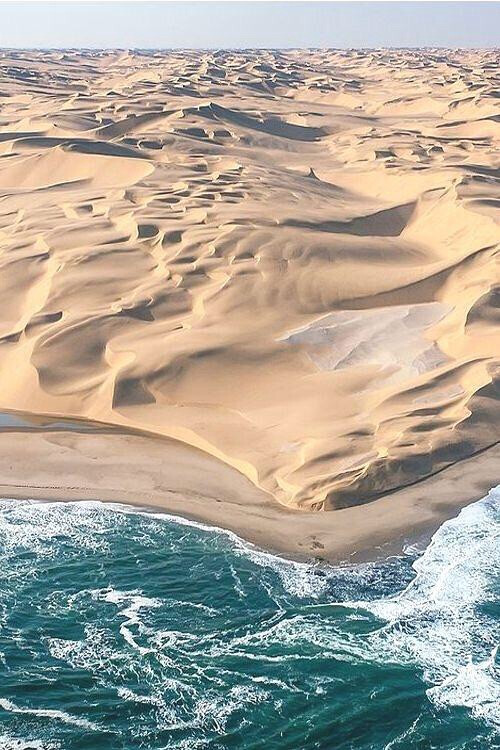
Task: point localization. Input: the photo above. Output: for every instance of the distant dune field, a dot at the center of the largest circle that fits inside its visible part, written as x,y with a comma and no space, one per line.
286,259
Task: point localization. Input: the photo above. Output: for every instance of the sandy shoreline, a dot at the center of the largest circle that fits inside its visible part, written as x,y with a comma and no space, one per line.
160,474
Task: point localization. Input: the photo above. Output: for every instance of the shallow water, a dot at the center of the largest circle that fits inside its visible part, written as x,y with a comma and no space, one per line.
121,629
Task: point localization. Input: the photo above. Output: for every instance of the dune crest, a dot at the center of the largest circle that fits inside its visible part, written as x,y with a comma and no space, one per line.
286,259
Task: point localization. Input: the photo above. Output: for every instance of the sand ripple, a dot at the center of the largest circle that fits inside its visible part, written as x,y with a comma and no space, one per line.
289,260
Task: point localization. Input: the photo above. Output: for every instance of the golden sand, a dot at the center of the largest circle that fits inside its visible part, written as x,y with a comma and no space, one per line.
288,260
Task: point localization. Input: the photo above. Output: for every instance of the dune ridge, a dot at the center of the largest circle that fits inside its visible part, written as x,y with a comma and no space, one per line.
288,260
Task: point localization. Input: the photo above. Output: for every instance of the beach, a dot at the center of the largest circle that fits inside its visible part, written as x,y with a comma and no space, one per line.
272,274
85,462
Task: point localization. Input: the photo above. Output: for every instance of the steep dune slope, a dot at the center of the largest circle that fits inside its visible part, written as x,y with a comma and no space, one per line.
287,259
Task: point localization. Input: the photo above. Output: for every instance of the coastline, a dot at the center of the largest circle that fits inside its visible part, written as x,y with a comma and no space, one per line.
62,463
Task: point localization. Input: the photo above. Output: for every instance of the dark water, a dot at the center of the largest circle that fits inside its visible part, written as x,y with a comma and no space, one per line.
121,629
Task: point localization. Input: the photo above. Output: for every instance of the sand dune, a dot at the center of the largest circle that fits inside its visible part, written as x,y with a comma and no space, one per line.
288,260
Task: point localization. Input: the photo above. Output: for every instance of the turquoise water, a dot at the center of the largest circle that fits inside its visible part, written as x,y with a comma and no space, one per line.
130,630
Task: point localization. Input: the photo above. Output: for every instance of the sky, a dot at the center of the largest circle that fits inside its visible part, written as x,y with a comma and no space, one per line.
210,24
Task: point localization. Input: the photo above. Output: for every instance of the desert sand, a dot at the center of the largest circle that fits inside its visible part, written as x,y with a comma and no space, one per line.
286,262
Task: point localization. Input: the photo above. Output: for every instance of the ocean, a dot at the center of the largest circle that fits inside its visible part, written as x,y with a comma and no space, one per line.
125,629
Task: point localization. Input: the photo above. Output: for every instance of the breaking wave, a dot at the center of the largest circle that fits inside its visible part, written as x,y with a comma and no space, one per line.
132,630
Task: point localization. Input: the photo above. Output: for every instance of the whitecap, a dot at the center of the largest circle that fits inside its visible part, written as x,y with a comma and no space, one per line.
48,713
434,623
437,621
20,743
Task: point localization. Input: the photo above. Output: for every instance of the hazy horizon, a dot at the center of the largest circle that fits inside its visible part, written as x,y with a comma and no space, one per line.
240,25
